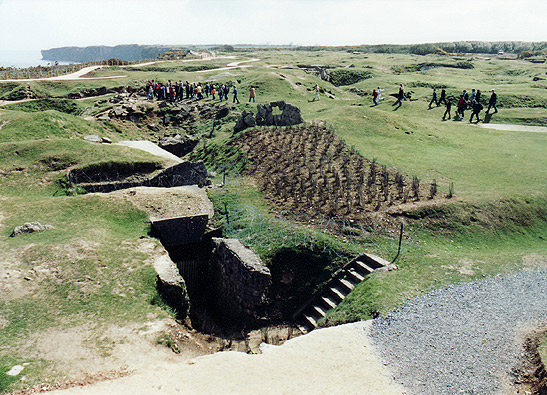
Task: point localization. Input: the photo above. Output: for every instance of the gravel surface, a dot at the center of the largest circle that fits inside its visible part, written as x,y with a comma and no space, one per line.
462,339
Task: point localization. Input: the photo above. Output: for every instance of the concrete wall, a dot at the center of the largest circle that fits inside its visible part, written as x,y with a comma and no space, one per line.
239,279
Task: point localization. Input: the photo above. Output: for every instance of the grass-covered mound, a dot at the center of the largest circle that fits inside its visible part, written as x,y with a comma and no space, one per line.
62,105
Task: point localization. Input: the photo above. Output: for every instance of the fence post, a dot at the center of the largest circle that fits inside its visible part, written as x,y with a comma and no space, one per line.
400,240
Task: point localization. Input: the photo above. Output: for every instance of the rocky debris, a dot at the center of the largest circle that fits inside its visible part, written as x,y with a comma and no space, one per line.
246,120
96,139
239,279
171,285
290,115
178,145
222,112
30,227
323,73
137,108
92,92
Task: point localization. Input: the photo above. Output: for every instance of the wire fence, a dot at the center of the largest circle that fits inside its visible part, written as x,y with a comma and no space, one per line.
56,70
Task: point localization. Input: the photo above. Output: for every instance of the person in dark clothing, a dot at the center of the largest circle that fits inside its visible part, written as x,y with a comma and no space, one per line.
235,96
448,107
443,97
478,96
465,95
462,104
434,98
492,102
477,108
401,96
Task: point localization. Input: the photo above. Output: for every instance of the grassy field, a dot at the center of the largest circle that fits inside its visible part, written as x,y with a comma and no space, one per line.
92,268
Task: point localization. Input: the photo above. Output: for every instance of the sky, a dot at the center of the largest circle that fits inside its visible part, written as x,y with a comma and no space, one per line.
43,24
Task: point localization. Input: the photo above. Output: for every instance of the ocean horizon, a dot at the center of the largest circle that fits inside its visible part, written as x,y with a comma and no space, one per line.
24,58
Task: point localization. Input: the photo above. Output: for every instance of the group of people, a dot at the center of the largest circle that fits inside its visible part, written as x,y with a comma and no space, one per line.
177,91
465,101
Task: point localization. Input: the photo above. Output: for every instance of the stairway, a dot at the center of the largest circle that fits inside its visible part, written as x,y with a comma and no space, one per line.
339,286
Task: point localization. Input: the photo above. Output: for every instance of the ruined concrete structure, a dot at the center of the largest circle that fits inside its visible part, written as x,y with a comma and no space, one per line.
178,145
112,177
239,279
180,230
171,285
290,115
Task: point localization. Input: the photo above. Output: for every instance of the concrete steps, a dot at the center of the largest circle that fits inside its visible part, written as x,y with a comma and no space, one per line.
338,288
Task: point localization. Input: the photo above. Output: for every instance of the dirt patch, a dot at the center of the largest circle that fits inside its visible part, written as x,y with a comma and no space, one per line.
531,376
332,360
534,261
12,281
169,202
89,355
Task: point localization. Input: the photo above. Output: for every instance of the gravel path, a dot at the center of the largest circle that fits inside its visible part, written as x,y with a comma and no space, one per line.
462,339
515,128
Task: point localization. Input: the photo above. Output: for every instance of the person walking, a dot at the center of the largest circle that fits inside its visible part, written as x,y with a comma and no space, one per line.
434,98
448,103
379,94
221,92
316,93
472,97
442,99
462,104
234,92
400,96
492,102
213,91
252,94
375,97
477,107
478,96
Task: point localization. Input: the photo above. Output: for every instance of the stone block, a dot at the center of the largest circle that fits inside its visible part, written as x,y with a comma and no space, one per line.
180,230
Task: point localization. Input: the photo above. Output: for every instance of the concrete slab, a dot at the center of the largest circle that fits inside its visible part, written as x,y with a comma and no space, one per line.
151,148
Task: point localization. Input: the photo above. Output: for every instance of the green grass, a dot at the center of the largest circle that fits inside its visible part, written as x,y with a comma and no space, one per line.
458,245
47,161
62,105
495,223
20,125
86,271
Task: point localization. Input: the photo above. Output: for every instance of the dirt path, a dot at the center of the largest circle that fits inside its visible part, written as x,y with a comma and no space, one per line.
515,128
326,361
230,66
79,75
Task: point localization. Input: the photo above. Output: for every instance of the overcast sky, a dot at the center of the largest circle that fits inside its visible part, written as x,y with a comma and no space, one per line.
43,24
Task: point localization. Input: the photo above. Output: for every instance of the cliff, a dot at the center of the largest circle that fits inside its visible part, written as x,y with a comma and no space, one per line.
95,53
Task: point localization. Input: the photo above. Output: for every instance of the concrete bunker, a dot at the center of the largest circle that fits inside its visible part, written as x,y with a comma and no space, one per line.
113,176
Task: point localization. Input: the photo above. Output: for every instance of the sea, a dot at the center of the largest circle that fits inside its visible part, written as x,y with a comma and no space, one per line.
23,58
